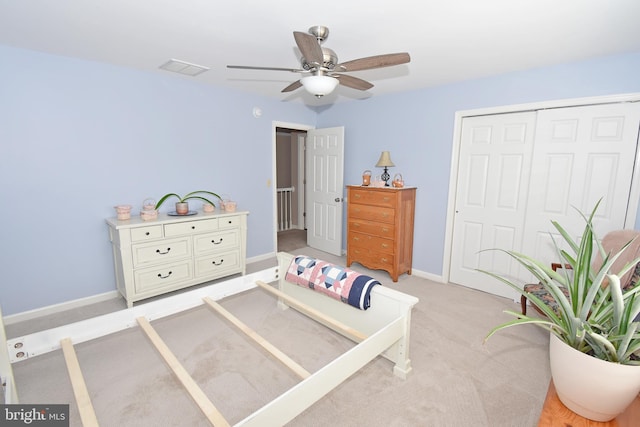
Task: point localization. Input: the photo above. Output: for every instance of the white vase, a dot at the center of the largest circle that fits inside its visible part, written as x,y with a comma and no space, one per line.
590,387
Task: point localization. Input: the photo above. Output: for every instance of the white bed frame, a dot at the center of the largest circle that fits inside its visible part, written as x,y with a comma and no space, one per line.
383,329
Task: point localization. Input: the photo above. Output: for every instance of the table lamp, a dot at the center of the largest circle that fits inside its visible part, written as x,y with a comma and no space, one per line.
385,162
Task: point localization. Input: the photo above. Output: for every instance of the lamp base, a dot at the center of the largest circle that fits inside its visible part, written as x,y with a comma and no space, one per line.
385,177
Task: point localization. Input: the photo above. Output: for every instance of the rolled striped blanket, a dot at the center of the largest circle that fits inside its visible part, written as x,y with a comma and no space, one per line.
337,282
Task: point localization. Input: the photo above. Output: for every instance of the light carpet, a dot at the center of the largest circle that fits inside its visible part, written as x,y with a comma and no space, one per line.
457,379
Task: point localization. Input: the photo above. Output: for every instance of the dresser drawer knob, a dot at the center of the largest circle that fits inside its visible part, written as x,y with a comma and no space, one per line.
147,233
216,243
193,227
217,263
164,277
163,253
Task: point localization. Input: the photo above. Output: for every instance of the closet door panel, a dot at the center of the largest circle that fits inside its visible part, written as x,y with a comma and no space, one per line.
581,155
494,163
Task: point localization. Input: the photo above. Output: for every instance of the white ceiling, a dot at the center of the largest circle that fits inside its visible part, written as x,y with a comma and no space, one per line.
448,40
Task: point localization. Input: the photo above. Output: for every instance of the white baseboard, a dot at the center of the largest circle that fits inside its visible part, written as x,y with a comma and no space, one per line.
69,305
81,302
428,276
57,308
267,256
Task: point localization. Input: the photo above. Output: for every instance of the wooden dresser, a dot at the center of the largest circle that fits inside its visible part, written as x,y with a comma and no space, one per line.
380,228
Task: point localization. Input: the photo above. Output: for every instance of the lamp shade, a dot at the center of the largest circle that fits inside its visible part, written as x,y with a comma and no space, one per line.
319,85
385,160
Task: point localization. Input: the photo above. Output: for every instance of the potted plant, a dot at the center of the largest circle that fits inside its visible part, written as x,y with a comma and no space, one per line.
182,206
597,327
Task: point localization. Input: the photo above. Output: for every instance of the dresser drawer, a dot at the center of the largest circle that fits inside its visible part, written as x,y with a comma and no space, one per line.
373,243
229,222
215,242
372,197
369,227
372,213
217,265
160,252
162,276
190,227
372,259
143,234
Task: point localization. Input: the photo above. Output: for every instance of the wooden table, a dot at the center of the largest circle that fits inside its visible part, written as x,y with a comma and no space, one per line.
555,414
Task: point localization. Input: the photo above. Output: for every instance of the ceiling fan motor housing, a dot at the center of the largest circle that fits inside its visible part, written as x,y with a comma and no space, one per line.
329,60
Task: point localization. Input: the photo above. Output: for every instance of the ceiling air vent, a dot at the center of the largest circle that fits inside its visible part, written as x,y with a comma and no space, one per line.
183,67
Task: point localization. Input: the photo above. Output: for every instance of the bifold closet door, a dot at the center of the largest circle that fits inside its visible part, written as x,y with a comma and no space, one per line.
510,188
493,174
581,155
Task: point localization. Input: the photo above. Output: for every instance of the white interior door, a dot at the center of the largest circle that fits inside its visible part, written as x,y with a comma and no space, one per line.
490,207
581,155
519,171
325,187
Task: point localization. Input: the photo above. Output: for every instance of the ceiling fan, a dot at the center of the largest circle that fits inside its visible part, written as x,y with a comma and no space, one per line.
320,67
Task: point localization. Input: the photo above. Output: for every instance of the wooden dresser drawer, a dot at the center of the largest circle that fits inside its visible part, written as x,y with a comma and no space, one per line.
373,243
373,228
372,259
216,242
160,251
372,213
162,276
142,234
368,196
190,227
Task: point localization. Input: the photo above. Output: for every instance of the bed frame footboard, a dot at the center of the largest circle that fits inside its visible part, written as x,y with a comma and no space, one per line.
387,305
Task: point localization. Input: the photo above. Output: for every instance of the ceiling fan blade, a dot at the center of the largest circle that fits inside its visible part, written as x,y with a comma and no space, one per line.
293,86
309,47
249,67
353,82
377,61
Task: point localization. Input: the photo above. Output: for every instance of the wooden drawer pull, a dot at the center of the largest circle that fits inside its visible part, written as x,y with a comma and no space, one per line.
357,196
385,230
164,277
385,215
384,245
163,253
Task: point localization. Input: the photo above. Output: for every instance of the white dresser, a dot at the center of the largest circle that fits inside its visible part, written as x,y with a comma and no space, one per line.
170,253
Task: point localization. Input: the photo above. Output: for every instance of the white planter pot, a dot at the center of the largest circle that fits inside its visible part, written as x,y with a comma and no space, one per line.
590,387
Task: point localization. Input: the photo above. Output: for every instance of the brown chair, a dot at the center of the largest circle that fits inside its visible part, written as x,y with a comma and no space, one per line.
612,243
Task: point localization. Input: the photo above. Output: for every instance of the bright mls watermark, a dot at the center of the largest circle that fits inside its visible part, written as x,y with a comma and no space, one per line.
34,415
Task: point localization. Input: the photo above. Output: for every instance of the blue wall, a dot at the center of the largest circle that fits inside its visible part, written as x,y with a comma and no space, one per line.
78,137
417,127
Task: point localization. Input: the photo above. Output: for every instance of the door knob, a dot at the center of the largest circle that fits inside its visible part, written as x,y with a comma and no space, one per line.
337,199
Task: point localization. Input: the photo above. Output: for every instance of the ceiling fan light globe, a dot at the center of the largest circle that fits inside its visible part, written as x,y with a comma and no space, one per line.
319,85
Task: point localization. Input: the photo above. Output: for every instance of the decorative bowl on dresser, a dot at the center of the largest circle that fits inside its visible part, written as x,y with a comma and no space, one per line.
380,228
174,252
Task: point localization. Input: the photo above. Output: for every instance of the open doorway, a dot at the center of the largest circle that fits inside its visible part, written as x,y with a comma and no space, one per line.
290,188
